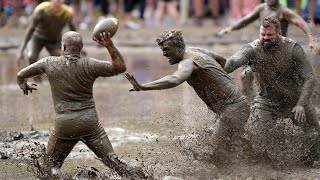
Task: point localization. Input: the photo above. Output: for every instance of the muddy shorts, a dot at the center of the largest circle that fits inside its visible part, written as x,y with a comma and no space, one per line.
38,43
68,132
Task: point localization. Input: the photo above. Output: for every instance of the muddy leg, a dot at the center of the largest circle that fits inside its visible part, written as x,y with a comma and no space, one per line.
230,133
33,54
101,146
57,151
312,127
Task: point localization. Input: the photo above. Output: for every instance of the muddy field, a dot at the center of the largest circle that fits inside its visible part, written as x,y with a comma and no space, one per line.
154,129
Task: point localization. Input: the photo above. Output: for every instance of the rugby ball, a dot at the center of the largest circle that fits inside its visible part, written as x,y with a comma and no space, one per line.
106,25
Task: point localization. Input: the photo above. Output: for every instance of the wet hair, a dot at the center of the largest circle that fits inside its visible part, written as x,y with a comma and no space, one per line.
175,38
73,41
271,21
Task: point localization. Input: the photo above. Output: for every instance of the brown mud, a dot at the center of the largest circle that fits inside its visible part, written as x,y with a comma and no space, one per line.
161,131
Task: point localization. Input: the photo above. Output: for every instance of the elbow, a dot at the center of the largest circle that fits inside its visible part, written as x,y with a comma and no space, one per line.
123,69
120,69
175,81
228,69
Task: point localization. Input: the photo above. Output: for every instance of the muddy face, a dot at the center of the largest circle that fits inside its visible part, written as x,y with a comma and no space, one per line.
171,52
269,36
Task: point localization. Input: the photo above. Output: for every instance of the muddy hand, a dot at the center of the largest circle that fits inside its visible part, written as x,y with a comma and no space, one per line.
104,39
133,81
300,114
315,46
222,32
28,87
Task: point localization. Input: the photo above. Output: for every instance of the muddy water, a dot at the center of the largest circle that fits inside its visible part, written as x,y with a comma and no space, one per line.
146,128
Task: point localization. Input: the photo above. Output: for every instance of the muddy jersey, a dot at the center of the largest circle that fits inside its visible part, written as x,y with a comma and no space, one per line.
71,79
281,72
49,26
212,84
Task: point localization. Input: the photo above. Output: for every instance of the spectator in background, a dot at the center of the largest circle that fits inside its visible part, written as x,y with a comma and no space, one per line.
169,7
83,15
30,5
14,10
150,19
199,12
240,8
129,6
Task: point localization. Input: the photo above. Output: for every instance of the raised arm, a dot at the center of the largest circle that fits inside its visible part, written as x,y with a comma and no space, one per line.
118,65
296,20
185,69
244,21
240,58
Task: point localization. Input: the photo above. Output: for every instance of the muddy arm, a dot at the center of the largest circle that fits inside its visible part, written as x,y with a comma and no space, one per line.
117,65
34,22
304,70
184,71
298,21
249,18
32,70
241,23
72,26
240,58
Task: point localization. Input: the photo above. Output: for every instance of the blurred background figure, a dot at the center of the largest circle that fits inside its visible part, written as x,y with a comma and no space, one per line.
240,8
216,9
129,7
83,13
13,10
167,7
150,11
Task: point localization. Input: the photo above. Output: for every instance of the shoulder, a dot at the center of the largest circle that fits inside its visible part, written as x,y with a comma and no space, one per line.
285,9
254,44
42,7
288,41
67,9
261,6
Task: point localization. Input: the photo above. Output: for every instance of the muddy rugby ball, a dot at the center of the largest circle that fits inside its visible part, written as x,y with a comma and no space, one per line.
106,25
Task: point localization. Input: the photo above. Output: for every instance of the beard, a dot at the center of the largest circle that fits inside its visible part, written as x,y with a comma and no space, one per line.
270,45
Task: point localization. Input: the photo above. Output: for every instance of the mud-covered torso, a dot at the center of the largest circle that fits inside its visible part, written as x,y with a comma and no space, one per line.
50,25
276,72
210,81
278,13
72,81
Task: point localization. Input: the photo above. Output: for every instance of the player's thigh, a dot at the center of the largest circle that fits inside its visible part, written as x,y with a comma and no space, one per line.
99,143
54,49
34,49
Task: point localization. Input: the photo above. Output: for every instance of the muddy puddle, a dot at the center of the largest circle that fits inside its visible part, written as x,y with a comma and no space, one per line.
152,129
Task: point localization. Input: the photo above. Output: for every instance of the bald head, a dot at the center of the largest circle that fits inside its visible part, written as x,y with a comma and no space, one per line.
71,43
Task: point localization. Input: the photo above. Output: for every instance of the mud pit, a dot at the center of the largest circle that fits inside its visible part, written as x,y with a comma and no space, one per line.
155,129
